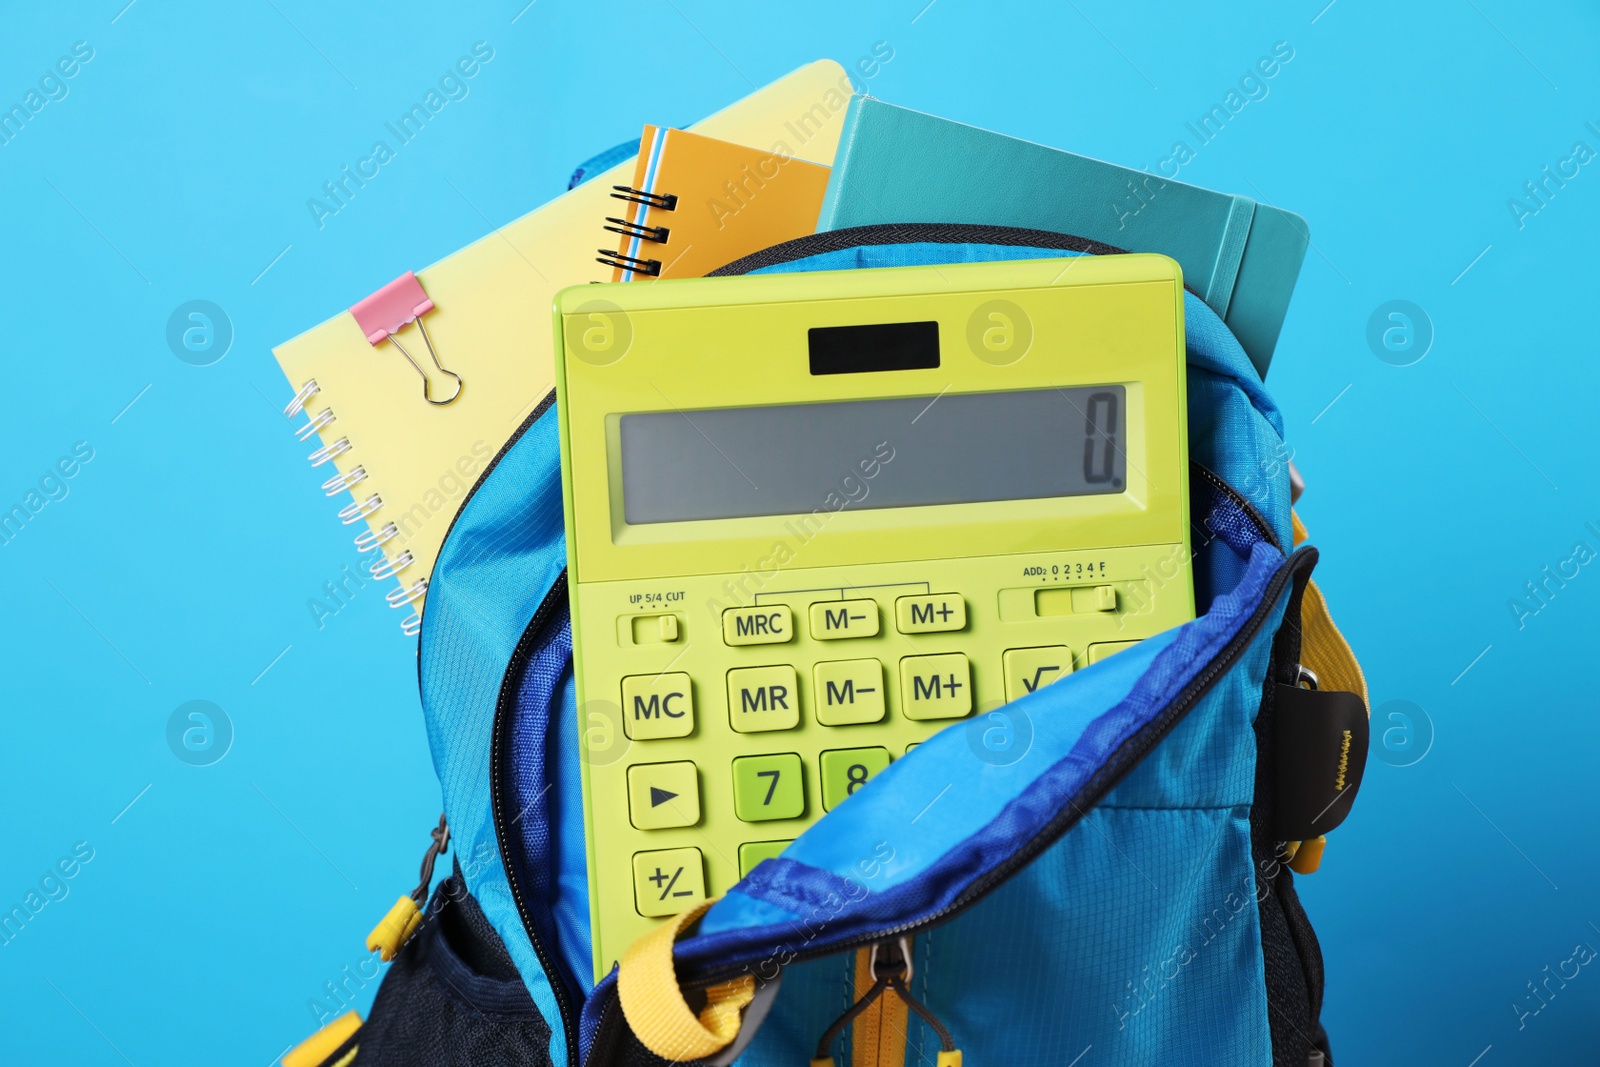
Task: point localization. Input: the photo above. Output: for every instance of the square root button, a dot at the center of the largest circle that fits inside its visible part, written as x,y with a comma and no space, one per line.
1030,669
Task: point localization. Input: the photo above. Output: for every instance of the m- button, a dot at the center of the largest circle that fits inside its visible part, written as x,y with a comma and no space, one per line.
930,614
832,620
769,624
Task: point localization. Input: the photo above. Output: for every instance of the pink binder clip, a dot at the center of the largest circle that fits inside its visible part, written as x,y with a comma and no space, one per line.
382,315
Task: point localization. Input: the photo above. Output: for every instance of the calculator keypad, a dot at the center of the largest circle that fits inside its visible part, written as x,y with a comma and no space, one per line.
743,722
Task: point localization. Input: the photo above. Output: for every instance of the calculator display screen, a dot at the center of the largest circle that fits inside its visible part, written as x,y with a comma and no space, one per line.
953,448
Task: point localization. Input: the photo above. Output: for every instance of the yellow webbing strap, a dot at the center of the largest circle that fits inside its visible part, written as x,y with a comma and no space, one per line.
1323,649
647,985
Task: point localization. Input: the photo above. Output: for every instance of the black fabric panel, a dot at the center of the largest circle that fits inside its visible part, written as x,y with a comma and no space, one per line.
616,1045
452,997
1292,958
895,233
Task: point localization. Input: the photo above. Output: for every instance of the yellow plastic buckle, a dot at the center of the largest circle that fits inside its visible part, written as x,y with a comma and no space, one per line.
320,1045
395,929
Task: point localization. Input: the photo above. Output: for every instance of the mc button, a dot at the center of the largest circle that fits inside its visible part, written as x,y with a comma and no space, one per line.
770,624
930,614
657,705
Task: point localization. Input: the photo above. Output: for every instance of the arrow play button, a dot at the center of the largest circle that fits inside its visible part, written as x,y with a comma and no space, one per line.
659,796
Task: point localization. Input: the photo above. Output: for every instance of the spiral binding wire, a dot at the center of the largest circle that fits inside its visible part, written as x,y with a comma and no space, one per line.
612,258
329,452
353,513
312,426
341,482
637,230
388,568
368,540
658,234
664,201
407,594
298,404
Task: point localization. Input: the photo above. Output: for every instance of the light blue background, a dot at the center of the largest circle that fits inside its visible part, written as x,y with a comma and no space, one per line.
179,565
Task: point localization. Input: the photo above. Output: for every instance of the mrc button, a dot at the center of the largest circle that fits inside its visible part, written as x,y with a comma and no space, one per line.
769,624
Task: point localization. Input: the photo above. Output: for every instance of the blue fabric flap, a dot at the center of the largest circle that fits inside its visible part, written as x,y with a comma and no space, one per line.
938,824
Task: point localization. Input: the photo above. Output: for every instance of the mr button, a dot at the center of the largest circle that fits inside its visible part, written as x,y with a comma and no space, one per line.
763,698
770,624
657,705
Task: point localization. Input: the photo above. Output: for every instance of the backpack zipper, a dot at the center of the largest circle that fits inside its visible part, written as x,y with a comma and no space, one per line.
558,984
497,775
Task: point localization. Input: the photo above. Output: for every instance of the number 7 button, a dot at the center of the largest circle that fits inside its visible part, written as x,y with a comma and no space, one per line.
768,787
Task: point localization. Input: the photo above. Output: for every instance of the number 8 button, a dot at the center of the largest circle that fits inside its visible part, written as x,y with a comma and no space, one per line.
844,770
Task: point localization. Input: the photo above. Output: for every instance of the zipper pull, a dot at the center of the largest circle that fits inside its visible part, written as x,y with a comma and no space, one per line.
889,964
396,928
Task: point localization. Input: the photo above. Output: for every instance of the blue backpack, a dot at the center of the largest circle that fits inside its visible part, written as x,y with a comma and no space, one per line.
1111,874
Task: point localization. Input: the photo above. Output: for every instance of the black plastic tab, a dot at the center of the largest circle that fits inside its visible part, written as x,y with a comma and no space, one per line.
1319,754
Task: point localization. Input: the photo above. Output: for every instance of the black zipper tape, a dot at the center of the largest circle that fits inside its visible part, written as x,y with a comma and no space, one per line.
527,644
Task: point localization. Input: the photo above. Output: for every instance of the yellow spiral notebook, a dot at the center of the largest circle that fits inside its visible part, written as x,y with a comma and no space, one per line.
416,388
697,203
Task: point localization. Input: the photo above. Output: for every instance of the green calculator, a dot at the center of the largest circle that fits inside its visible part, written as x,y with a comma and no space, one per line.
814,518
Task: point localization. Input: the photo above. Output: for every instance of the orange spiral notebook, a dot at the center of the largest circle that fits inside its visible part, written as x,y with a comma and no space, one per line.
697,203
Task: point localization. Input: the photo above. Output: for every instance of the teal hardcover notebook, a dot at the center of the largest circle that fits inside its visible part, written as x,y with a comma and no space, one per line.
897,165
